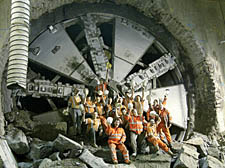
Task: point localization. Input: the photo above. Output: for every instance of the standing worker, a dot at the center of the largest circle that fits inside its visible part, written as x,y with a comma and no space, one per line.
75,105
136,127
165,123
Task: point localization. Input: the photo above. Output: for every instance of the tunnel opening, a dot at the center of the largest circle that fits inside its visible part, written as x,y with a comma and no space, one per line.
107,21
108,26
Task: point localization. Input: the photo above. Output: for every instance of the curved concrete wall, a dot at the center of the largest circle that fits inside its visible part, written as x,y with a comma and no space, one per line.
203,64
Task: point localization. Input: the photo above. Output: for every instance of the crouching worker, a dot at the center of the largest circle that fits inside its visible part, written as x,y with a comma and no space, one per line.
93,126
153,138
116,139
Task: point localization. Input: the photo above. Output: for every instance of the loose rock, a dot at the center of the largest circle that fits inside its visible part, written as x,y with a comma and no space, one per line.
17,141
93,161
66,163
153,160
40,149
62,143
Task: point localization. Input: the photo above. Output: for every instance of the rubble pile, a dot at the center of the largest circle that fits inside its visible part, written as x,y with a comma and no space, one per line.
65,152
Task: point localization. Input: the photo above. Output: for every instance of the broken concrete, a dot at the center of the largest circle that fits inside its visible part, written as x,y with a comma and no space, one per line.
25,165
66,163
199,143
40,149
91,160
210,162
22,120
17,141
153,160
62,143
185,161
49,131
45,163
187,158
214,152
122,166
55,156
74,153
7,159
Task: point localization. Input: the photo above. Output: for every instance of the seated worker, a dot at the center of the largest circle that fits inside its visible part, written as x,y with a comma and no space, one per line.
89,107
153,138
116,139
136,128
93,126
165,123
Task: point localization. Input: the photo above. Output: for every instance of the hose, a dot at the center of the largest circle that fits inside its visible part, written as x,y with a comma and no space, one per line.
18,44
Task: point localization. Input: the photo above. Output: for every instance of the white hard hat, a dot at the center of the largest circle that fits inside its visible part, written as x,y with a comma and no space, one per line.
109,120
145,83
152,121
132,83
130,105
86,91
106,92
149,98
152,113
81,107
98,82
99,92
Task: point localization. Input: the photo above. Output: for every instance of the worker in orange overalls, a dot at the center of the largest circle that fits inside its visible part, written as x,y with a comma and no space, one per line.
153,115
116,139
152,137
136,127
165,123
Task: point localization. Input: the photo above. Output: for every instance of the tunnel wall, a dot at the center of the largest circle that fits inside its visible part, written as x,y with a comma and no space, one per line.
195,63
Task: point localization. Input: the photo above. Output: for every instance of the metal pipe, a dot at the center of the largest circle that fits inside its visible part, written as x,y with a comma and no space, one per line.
18,44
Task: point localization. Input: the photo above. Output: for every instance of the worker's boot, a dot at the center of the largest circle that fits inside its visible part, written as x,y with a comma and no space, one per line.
115,162
127,161
170,153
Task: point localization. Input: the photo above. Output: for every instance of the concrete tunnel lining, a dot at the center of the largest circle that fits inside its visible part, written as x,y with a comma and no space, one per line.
167,40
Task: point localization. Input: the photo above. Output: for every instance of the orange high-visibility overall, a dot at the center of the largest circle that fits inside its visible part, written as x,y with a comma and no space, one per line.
117,137
154,139
163,125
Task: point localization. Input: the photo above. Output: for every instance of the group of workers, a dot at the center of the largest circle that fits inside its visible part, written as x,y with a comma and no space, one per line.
120,117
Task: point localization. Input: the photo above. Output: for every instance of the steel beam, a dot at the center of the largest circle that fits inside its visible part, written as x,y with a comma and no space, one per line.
154,70
96,43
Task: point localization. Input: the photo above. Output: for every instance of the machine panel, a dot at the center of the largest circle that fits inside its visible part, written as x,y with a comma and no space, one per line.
130,43
55,50
176,103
